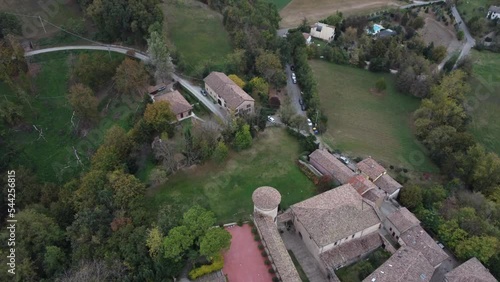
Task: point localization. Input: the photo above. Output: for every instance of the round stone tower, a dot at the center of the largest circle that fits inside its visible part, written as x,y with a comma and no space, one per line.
266,201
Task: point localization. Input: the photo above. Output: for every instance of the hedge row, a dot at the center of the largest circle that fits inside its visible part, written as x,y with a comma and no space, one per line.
217,265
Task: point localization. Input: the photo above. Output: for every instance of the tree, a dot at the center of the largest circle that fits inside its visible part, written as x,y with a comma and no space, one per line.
451,234
237,80
12,60
269,67
178,241
417,23
335,19
158,116
154,241
10,113
54,260
169,216
130,77
220,152
128,190
286,111
84,103
243,138
214,241
164,152
160,57
483,248
411,197
460,35
438,54
94,69
381,85
259,88
198,220
9,24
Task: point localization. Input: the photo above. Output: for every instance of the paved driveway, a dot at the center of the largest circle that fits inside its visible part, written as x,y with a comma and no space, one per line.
470,41
293,91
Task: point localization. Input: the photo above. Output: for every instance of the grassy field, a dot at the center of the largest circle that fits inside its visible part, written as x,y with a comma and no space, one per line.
227,189
469,9
56,12
196,32
314,10
361,123
280,4
53,158
358,271
484,99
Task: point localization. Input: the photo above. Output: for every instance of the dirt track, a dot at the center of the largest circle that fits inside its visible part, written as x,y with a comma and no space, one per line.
440,34
314,10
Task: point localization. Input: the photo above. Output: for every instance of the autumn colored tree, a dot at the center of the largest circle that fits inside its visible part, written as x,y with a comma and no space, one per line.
131,77
127,189
237,80
158,116
259,88
269,67
84,103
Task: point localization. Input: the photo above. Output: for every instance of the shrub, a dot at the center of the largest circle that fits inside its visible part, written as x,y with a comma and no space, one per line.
216,265
381,85
261,247
254,230
271,270
264,253
251,224
221,225
405,170
276,279
256,238
391,167
239,222
267,262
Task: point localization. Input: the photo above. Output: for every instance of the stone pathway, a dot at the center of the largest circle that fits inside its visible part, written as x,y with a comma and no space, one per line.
305,258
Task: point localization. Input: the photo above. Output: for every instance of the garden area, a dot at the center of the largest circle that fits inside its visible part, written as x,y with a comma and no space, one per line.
361,269
478,8
364,122
51,154
227,188
197,34
483,102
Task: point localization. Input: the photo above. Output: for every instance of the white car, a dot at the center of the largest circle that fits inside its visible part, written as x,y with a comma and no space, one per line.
309,122
293,76
270,118
344,160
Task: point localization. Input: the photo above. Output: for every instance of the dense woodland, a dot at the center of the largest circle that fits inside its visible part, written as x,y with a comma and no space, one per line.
97,226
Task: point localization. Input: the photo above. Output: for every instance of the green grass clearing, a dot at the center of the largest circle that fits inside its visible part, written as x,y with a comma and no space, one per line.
484,100
227,189
362,123
280,4
478,8
361,269
54,159
197,33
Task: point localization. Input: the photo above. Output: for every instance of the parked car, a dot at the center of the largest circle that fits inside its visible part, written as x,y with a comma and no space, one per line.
303,107
344,160
293,75
203,92
315,130
292,67
309,122
162,88
270,118
440,244
294,80
301,102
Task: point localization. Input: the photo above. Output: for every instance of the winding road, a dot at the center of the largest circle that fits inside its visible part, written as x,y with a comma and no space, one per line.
194,89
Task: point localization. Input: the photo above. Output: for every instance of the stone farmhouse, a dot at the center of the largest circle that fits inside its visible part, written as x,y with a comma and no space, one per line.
179,106
228,95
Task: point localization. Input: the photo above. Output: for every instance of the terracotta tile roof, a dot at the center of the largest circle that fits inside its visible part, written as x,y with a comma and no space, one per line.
277,249
361,184
266,198
388,184
406,265
178,103
339,170
335,214
374,195
227,89
403,219
371,168
418,239
470,271
349,251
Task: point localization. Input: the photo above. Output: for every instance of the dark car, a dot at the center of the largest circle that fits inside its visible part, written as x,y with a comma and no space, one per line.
301,102
303,107
292,67
203,92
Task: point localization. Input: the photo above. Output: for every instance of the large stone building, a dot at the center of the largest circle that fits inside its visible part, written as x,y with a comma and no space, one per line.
228,95
470,271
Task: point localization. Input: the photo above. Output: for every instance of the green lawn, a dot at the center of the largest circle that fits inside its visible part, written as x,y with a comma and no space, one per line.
361,269
53,158
227,189
469,9
484,99
280,4
361,123
197,33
